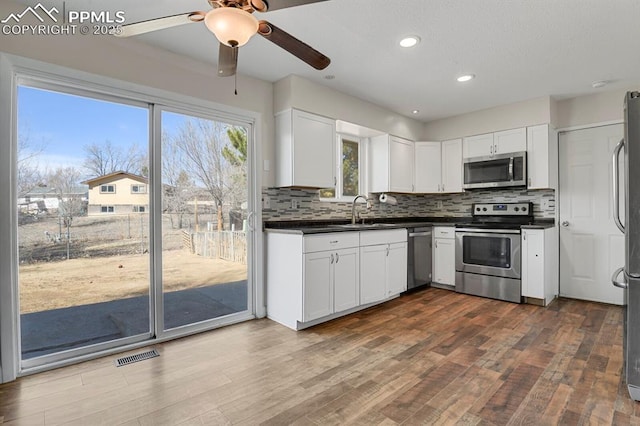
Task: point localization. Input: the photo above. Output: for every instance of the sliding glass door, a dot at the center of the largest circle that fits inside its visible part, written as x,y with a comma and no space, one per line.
204,219
126,235
83,221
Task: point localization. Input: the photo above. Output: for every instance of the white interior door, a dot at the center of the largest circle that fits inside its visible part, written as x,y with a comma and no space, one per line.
591,247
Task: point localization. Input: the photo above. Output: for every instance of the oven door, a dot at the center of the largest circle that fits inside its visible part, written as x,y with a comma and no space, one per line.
496,171
488,252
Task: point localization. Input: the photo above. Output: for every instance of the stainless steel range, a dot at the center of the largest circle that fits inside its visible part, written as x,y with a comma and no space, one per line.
488,251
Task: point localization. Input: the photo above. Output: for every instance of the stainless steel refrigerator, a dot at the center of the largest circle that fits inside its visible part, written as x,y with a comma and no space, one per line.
628,276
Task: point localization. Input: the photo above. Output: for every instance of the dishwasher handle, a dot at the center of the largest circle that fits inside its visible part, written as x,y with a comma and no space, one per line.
420,234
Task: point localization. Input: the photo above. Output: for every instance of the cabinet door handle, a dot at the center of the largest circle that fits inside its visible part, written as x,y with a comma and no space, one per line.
491,150
443,187
387,251
436,243
529,180
332,258
337,258
524,236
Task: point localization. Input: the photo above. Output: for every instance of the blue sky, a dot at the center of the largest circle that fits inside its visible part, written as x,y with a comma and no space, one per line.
59,126
63,124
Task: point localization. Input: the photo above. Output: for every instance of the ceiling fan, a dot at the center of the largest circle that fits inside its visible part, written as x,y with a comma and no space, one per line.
233,24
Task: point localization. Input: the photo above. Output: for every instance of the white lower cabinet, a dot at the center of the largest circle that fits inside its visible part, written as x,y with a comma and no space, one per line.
317,286
444,255
383,264
539,265
330,282
373,267
313,278
346,279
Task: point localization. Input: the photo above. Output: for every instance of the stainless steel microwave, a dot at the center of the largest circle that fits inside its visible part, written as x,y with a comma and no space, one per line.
495,171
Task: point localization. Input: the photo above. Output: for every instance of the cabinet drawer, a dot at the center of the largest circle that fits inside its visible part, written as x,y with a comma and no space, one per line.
332,241
370,238
444,232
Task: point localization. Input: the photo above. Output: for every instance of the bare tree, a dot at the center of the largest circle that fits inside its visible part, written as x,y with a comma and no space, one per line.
200,143
29,175
66,181
105,158
178,187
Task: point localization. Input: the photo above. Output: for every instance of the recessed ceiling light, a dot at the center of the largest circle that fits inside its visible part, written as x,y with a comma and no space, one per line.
466,77
598,84
415,111
409,41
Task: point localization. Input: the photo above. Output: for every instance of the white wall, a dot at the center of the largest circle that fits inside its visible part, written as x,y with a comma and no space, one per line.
602,107
521,114
591,109
296,92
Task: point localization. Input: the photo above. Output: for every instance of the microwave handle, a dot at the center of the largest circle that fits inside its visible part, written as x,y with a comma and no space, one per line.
511,168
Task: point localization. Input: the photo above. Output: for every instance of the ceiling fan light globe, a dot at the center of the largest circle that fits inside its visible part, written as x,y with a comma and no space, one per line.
231,26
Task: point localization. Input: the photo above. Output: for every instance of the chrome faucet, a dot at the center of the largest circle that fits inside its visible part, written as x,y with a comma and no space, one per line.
353,207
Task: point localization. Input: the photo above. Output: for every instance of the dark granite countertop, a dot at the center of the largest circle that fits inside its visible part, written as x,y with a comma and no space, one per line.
324,226
540,224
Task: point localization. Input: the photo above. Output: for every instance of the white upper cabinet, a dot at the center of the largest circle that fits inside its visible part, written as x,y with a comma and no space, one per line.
305,149
452,166
490,144
508,141
477,146
428,167
542,157
392,161
438,166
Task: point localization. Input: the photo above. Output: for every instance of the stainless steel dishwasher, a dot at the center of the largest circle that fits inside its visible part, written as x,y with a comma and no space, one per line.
419,257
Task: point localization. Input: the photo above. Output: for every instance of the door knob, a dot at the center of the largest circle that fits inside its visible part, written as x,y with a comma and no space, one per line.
565,223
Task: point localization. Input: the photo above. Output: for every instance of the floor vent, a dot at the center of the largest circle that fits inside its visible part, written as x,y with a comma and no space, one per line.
137,357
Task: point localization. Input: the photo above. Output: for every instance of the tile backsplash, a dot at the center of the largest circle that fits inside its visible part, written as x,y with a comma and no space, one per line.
305,204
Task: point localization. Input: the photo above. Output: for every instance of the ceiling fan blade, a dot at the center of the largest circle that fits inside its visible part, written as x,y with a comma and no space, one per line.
294,46
159,24
271,5
227,60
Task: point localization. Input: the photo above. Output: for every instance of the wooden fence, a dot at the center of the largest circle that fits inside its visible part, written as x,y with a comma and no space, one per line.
227,245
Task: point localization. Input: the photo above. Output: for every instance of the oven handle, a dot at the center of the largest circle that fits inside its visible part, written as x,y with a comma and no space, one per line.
487,231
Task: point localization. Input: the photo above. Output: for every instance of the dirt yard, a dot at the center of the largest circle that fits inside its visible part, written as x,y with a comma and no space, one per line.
109,261
52,285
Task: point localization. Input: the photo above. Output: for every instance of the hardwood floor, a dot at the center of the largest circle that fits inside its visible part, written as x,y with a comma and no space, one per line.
432,357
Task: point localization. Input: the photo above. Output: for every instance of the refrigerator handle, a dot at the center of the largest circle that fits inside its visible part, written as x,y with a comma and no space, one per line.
616,185
614,279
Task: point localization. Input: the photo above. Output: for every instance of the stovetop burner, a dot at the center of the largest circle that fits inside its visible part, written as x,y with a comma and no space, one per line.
500,216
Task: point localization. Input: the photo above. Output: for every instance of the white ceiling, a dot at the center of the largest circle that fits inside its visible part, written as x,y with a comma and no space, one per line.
519,49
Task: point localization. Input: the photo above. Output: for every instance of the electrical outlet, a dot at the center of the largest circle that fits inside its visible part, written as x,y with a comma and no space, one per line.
266,202
545,204
294,204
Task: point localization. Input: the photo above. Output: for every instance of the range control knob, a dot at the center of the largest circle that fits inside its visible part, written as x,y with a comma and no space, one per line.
517,209
477,209
484,209
524,209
